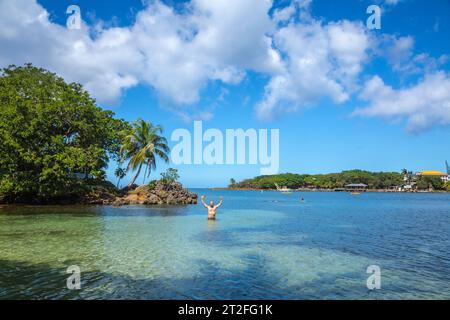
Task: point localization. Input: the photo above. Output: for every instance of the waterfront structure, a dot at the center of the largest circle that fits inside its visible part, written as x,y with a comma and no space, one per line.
356,187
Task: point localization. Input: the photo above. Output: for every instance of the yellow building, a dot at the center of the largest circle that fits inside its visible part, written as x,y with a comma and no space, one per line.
432,173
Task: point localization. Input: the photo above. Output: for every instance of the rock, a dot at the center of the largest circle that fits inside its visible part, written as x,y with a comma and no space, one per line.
152,199
161,193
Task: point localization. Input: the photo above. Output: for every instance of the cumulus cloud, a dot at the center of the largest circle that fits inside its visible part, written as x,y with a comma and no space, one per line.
299,8
321,61
178,53
399,52
27,35
423,105
175,53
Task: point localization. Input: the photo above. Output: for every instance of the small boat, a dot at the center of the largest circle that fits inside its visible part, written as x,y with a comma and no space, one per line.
355,193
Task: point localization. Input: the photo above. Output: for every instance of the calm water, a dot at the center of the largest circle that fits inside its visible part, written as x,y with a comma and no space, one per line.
263,246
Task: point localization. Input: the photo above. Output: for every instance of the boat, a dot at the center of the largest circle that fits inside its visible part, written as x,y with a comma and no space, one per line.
355,193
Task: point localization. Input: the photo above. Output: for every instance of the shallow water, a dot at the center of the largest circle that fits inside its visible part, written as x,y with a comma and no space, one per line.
262,246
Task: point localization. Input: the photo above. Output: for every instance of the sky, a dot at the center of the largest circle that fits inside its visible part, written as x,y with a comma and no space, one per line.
343,96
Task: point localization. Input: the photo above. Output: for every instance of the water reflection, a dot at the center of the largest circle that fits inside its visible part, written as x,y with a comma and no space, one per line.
211,225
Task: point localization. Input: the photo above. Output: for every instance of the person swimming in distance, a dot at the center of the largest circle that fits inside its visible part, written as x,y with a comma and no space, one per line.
211,207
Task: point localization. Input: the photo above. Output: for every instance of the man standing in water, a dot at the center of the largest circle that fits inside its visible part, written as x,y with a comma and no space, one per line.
211,207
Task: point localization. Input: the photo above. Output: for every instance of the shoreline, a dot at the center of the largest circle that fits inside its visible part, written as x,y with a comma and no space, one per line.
330,190
106,203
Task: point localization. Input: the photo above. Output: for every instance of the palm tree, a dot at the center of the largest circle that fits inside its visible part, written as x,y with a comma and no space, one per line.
120,174
142,145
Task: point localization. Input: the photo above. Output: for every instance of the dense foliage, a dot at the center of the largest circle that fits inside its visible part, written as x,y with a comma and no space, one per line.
447,186
52,135
170,176
434,183
168,179
375,180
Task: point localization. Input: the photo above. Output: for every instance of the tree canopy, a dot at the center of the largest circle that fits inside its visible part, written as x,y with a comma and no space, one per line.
375,180
52,135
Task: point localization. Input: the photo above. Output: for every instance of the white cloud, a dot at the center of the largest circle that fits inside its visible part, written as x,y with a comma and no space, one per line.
322,61
399,52
299,8
392,2
176,54
424,105
27,35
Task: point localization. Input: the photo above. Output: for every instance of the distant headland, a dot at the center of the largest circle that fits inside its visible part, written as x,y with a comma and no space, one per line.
351,180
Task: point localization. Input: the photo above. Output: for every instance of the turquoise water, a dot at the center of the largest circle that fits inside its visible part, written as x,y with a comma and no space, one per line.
262,246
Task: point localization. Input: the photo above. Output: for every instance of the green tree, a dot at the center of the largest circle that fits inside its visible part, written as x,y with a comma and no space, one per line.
170,176
52,135
426,182
142,145
447,186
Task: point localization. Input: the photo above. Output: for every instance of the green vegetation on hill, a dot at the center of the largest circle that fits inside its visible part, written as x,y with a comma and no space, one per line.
375,180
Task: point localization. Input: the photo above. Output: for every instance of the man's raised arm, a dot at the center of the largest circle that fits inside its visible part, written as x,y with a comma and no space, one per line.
220,203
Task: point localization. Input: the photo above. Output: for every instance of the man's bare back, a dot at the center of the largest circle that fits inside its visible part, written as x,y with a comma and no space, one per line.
211,207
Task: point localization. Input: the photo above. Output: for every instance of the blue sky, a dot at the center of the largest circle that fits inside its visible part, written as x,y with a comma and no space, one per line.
342,96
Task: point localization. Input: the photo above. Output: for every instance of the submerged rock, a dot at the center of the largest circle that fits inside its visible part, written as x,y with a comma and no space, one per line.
158,194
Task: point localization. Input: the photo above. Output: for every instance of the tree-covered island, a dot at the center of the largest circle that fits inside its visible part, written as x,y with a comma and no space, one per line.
393,181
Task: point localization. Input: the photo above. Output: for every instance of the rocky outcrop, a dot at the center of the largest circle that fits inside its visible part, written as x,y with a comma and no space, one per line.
159,193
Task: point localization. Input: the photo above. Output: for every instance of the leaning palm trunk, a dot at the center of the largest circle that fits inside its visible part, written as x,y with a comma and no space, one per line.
145,173
136,176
